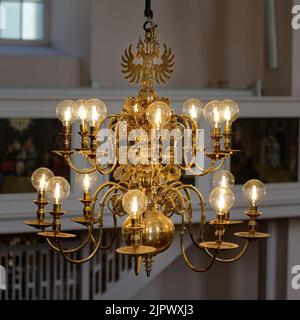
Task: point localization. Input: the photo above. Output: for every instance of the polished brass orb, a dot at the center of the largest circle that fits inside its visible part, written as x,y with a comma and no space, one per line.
158,230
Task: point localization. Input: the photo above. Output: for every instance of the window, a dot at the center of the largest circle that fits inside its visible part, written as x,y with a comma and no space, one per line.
25,20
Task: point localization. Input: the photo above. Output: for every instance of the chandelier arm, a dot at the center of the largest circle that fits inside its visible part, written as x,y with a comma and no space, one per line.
100,212
78,170
202,214
101,187
186,119
186,259
113,115
190,216
112,239
98,245
212,169
113,166
237,257
73,250
90,256
182,198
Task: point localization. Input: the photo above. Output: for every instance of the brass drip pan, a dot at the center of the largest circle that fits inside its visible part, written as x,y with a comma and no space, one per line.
225,223
84,221
252,236
53,235
213,245
134,252
38,224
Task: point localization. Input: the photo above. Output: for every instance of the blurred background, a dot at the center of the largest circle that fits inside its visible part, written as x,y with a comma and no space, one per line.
247,50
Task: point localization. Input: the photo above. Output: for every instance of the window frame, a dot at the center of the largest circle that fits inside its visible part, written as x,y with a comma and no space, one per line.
43,42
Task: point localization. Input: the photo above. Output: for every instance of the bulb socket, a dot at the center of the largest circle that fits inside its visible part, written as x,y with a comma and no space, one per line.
57,209
84,136
67,137
227,137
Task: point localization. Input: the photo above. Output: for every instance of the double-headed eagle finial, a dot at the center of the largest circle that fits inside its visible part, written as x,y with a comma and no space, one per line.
153,65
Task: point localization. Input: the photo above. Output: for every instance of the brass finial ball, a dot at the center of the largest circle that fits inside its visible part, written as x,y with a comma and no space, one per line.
158,230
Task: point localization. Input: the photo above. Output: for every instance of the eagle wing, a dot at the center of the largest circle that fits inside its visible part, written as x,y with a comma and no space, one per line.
163,70
131,70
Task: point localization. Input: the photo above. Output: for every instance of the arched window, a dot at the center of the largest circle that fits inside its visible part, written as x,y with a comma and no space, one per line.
23,21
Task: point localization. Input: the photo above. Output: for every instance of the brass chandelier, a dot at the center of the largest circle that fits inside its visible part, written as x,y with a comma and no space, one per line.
148,189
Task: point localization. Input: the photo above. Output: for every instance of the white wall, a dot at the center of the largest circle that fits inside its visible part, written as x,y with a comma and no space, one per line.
70,31
208,47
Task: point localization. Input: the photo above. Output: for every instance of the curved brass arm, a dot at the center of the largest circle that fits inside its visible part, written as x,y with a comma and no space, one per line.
186,259
103,170
190,213
90,256
100,217
79,170
237,257
73,250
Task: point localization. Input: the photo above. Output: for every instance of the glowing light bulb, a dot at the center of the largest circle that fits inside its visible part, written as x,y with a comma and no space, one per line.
230,111
57,193
193,108
82,113
213,113
221,199
134,202
86,181
57,189
65,112
158,114
221,202
96,112
158,118
216,117
43,182
134,205
254,193
40,178
254,190
80,110
223,178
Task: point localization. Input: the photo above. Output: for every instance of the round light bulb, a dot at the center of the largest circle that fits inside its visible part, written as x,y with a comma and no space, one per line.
254,190
230,110
86,181
213,113
158,114
57,189
221,199
193,108
96,112
65,112
40,178
81,110
223,178
134,202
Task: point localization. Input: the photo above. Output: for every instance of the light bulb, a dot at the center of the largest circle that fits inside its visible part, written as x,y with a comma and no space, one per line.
86,181
65,112
221,199
158,114
213,113
57,189
134,202
96,112
40,177
223,178
230,110
80,110
193,108
254,190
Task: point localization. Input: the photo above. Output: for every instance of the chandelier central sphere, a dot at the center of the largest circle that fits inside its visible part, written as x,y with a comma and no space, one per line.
148,189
